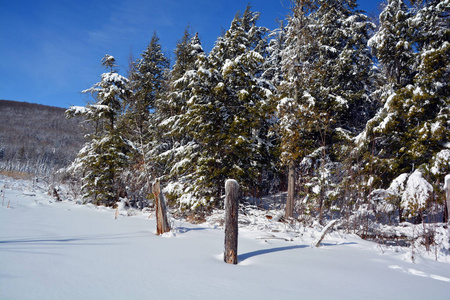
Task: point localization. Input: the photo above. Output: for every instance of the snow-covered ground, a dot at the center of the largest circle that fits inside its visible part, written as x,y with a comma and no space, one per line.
60,250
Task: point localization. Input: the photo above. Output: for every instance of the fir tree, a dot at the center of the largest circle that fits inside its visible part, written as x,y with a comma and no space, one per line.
105,154
411,129
327,82
297,69
345,65
272,71
392,44
181,147
147,82
228,111
147,79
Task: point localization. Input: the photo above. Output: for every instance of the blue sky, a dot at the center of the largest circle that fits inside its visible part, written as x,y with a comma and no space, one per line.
51,49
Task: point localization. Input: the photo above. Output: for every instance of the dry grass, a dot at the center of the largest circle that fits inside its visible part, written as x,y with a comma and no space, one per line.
16,174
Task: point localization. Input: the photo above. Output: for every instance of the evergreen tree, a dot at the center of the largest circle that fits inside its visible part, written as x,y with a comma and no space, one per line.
147,79
147,82
432,88
229,110
299,49
272,71
186,54
105,154
181,146
297,55
327,83
392,44
345,65
412,127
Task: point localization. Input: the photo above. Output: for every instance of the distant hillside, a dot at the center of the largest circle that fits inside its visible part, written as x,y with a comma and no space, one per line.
36,138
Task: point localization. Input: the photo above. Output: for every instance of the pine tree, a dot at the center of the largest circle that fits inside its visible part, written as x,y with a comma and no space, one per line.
327,82
105,154
432,84
412,127
147,79
181,146
147,83
300,45
392,44
228,111
272,72
345,65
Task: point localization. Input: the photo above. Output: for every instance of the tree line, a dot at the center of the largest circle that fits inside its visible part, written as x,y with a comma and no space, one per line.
36,139
343,114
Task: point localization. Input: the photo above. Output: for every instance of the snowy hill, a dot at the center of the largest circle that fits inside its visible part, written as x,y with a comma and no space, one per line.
36,138
60,250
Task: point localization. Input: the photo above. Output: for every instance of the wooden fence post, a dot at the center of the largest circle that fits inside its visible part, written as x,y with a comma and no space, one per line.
447,194
289,213
231,221
162,224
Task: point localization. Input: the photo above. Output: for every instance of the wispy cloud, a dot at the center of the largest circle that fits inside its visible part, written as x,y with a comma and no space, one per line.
129,20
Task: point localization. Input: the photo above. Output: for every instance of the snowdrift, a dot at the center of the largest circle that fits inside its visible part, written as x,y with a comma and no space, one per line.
60,250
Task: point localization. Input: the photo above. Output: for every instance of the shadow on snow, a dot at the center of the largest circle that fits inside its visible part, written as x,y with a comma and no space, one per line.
187,229
80,240
247,255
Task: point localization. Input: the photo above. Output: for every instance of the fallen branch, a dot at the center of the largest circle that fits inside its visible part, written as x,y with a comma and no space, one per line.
324,232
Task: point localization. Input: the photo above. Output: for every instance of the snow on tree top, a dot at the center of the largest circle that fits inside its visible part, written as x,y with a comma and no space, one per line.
109,61
108,57
114,77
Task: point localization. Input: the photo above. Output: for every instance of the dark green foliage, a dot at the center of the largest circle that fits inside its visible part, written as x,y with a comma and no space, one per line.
147,81
103,161
412,127
229,112
310,94
105,155
325,96
393,45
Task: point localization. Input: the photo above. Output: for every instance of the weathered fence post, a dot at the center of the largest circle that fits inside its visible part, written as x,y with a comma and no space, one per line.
162,224
289,213
231,221
447,194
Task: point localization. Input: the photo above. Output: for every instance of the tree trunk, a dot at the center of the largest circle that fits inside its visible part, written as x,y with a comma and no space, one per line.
231,221
291,192
447,194
162,224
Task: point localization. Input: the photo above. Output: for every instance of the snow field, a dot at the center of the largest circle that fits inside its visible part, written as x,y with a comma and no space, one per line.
59,250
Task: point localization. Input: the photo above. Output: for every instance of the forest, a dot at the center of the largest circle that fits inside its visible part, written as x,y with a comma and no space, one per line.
36,139
347,114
